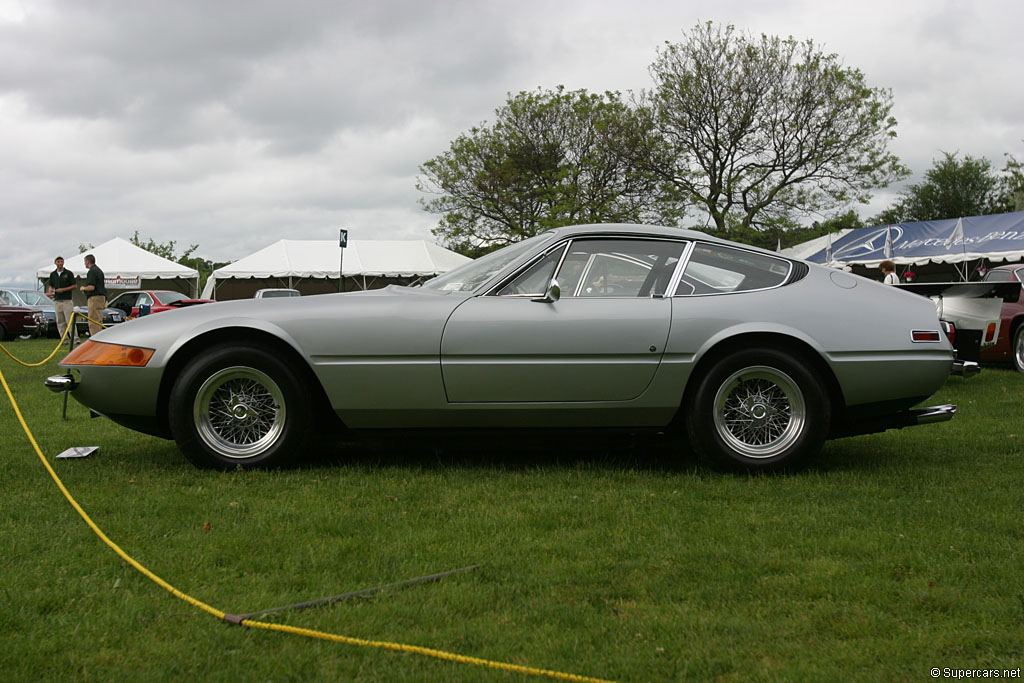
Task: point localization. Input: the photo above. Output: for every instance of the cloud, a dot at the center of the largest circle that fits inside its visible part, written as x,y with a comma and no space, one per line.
232,124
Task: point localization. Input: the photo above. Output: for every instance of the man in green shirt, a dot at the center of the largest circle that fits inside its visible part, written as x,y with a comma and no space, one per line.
62,283
96,291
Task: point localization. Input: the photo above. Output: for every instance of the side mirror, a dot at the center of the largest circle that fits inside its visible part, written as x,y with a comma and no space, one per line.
553,293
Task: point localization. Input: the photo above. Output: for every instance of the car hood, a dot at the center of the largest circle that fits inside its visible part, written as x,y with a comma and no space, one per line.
313,324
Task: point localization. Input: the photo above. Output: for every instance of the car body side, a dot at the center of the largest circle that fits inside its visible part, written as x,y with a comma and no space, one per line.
1011,315
19,320
382,359
154,300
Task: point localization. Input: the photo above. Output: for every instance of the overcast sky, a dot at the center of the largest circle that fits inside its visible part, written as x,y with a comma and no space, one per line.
234,124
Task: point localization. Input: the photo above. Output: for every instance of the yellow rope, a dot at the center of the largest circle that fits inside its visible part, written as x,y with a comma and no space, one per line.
309,633
60,343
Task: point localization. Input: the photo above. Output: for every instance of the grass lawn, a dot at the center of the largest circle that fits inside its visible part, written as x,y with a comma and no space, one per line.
620,559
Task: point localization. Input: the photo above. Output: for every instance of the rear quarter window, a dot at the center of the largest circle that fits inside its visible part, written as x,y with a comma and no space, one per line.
719,269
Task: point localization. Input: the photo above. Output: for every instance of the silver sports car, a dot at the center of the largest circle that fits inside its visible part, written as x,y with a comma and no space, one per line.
751,358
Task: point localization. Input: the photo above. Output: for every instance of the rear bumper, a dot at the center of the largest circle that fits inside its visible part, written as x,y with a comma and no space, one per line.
931,415
965,368
896,420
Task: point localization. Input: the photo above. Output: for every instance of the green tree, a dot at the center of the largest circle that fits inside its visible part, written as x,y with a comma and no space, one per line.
755,131
167,250
1011,185
547,161
951,188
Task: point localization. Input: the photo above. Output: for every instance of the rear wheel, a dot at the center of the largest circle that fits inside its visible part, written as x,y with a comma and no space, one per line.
1018,348
758,409
239,406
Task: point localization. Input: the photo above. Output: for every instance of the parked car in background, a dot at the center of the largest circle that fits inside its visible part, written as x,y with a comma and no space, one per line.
1009,345
17,320
751,358
32,299
35,299
142,302
275,293
111,316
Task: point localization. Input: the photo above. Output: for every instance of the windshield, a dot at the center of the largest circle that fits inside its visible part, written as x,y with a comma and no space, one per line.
470,276
34,298
168,298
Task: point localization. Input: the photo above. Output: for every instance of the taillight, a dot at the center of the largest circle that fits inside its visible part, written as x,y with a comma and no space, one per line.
925,335
990,333
950,330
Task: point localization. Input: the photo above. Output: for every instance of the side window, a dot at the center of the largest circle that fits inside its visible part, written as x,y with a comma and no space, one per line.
998,276
718,269
618,267
5,300
534,280
144,300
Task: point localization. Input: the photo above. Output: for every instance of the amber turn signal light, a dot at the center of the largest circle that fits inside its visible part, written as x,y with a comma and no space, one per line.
100,353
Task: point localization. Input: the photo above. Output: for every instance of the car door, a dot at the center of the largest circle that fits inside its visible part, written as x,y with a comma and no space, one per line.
125,302
601,340
145,305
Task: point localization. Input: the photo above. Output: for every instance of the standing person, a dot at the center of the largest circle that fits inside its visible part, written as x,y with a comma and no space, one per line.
889,271
61,284
96,291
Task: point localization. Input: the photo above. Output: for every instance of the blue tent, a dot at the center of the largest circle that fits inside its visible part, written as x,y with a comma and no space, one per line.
999,237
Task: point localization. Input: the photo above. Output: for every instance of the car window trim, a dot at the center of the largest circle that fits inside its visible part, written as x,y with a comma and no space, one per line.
505,282
679,272
567,244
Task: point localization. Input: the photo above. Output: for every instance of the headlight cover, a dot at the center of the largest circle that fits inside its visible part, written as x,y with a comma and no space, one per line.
102,353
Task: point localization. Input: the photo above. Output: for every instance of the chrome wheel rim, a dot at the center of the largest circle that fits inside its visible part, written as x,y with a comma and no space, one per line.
759,411
1018,350
239,412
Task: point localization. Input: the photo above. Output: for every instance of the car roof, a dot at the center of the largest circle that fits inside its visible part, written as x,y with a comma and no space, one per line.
630,229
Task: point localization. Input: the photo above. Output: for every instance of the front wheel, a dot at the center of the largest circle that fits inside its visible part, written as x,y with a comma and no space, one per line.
239,406
758,410
1018,348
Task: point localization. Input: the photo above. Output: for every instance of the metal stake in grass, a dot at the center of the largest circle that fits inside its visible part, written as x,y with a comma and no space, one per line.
237,618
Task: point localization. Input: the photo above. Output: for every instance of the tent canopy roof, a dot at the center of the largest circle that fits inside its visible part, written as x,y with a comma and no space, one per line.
320,259
997,237
121,258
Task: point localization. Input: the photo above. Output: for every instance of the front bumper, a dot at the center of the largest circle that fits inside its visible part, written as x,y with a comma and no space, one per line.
61,383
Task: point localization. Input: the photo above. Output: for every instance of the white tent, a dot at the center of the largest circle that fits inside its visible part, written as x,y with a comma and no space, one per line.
805,249
287,263
126,266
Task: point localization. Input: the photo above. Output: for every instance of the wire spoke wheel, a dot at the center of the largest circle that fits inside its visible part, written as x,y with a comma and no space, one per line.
239,412
759,411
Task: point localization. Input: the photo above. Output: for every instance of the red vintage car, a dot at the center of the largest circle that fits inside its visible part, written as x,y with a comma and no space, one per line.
1009,344
143,302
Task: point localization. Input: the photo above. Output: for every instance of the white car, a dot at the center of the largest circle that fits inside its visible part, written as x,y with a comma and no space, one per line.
275,293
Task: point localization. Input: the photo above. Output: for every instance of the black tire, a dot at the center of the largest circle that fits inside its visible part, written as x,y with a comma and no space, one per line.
239,406
1017,349
758,409
3,332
